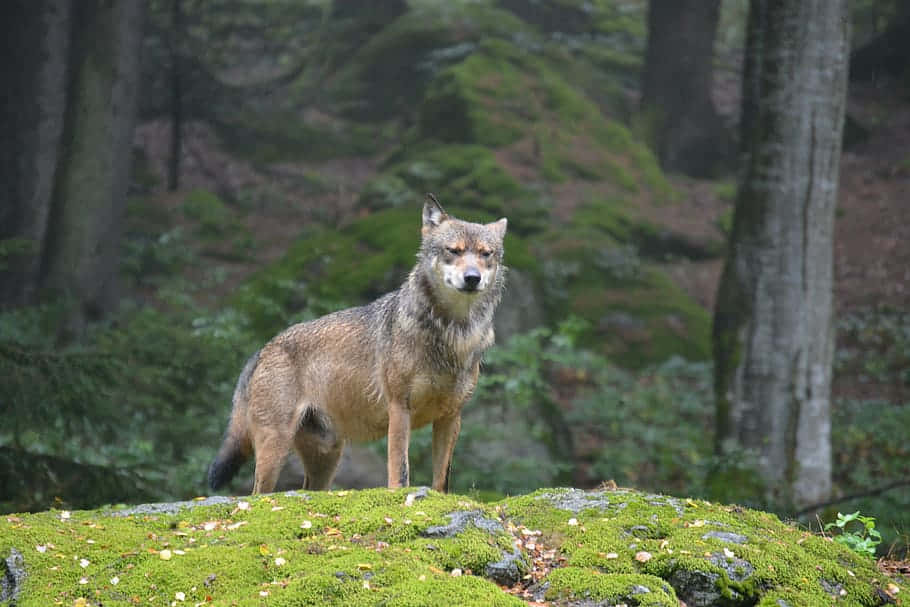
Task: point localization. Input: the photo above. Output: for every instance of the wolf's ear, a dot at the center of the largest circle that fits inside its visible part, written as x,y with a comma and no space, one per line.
499,227
433,213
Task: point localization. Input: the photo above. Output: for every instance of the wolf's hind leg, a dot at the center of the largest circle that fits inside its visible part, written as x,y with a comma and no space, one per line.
319,448
271,450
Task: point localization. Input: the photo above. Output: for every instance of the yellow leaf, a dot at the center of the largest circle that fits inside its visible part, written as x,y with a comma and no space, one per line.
263,550
165,555
364,566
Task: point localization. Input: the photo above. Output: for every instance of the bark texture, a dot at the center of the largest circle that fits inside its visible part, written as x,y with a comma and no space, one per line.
773,329
35,39
686,131
773,322
81,248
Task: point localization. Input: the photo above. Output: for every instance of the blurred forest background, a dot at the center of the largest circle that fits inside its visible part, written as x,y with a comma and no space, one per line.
181,179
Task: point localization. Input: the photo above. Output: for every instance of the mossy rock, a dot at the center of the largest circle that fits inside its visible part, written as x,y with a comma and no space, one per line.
390,70
418,547
327,269
502,93
637,313
616,219
467,176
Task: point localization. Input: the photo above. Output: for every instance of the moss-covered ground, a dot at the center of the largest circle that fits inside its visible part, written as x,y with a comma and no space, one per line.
389,547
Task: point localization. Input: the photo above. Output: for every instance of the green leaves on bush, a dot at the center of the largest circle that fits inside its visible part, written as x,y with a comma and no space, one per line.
862,538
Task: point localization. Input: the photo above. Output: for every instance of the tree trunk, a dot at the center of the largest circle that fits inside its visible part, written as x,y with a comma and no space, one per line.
82,245
35,39
686,131
773,321
173,170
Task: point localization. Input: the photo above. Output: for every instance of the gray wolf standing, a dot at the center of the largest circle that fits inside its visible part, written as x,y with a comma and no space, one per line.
408,359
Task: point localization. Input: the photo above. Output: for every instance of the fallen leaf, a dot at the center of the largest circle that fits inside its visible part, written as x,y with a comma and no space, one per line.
728,553
115,580
84,563
306,524
573,522
65,514
280,561
642,556
180,596
893,588
456,572
364,566
165,555
41,548
611,555
263,550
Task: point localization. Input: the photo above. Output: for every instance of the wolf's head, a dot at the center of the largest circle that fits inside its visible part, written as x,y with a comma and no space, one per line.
462,260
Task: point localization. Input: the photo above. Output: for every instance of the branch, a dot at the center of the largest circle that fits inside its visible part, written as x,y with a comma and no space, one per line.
877,491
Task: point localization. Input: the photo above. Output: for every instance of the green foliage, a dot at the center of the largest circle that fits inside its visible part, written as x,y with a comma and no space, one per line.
864,540
141,397
875,346
213,216
871,450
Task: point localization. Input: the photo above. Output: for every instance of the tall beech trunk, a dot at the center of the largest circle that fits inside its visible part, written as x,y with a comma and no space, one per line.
773,321
686,132
83,235
35,38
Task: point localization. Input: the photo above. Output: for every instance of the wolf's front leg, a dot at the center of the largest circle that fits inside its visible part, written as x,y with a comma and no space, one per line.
399,437
445,433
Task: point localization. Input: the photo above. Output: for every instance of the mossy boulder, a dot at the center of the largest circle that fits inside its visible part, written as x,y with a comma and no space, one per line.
604,266
504,92
418,547
468,176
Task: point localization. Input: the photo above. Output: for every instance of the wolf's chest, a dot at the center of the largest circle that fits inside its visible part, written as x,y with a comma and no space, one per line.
434,395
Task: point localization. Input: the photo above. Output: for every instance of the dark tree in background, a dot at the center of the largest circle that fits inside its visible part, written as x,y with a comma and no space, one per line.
65,169
773,329
686,131
36,42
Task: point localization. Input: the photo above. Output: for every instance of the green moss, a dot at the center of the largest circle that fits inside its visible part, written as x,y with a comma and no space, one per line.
637,589
468,177
365,547
389,72
629,533
474,101
312,549
639,314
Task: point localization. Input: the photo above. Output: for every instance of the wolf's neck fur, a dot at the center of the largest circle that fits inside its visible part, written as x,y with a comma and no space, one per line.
457,338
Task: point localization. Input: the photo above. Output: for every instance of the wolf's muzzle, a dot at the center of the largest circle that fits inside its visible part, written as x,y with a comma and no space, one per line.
471,279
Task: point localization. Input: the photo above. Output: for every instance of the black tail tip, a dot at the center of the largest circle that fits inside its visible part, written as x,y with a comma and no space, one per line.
222,471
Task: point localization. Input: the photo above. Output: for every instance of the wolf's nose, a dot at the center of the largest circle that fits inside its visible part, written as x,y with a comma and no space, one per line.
471,278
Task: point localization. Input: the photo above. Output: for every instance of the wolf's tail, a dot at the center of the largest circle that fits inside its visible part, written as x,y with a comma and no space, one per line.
237,444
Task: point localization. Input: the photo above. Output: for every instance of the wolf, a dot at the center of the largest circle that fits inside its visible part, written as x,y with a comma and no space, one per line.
409,359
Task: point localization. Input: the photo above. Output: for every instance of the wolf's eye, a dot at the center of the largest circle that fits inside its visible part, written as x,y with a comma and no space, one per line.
486,254
454,250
